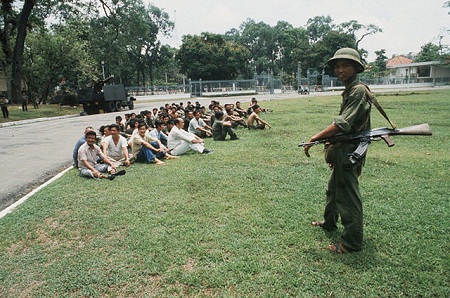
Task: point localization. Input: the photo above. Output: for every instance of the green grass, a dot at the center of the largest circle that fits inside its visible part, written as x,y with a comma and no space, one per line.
237,222
16,113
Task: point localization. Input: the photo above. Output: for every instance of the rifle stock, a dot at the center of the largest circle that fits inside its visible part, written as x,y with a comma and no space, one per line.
383,132
415,130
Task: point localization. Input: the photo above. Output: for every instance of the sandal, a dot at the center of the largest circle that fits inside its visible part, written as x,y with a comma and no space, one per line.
338,248
317,224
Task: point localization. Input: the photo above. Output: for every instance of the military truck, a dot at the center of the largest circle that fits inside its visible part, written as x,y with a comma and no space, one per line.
109,98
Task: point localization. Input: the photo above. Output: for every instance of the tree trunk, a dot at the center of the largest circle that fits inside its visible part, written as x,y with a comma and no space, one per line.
5,40
44,94
17,59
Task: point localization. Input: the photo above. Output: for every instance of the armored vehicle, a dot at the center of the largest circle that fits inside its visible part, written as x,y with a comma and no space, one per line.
109,98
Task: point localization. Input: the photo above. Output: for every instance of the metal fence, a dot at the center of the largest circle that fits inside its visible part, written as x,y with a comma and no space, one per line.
156,90
202,88
266,82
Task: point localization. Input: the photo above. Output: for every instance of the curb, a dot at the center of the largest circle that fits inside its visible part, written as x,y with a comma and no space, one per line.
13,123
13,206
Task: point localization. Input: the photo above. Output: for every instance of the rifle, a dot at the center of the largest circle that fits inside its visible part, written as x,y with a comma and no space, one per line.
367,136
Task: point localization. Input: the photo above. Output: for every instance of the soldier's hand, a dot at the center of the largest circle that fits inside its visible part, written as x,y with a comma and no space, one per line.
306,149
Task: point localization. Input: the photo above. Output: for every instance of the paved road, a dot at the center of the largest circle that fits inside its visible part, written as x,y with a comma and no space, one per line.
32,152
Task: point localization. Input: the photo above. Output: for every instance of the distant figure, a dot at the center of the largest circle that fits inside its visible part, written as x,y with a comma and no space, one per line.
3,104
35,103
24,101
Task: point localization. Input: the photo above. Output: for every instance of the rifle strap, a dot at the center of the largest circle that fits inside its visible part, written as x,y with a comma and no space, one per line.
371,99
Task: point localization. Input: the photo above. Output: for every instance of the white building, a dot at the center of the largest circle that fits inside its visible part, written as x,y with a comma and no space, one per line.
436,72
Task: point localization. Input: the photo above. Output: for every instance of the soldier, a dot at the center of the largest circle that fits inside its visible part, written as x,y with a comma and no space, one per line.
24,101
343,195
3,104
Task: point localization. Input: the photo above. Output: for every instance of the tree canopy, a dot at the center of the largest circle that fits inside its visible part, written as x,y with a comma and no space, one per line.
211,57
89,39
83,38
428,52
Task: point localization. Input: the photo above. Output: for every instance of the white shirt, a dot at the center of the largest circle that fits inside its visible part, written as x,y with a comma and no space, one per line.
115,151
194,125
178,136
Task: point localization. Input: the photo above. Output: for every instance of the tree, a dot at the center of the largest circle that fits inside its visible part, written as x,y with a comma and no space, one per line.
376,68
56,59
14,30
428,52
353,26
278,48
117,27
319,26
380,60
17,57
321,51
126,40
211,57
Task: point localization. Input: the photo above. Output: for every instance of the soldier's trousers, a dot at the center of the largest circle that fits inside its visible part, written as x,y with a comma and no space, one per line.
344,200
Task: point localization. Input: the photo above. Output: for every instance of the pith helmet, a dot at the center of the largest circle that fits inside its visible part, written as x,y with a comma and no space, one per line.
349,54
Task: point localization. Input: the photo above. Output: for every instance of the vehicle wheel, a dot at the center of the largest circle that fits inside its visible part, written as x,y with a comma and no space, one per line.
118,105
111,106
88,109
131,105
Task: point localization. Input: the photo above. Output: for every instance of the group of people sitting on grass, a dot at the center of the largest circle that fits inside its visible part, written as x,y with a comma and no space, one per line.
164,133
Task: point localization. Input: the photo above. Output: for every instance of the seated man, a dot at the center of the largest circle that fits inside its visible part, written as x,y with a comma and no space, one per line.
120,123
238,109
234,119
145,148
148,118
187,120
104,131
158,132
198,127
78,144
179,141
253,103
260,123
222,128
88,155
115,147
132,125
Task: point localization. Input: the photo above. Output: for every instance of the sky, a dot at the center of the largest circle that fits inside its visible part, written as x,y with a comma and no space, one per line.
407,24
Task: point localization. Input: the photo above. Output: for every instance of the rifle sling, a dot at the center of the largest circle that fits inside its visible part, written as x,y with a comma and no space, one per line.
372,100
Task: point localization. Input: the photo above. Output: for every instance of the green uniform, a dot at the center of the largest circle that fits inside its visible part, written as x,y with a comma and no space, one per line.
220,132
343,195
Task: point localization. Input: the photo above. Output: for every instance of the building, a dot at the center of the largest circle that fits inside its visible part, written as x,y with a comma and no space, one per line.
403,70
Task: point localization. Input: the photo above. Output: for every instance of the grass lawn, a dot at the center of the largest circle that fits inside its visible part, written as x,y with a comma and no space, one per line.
236,223
50,110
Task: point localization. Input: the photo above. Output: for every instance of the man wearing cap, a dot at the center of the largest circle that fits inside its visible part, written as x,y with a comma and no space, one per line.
343,195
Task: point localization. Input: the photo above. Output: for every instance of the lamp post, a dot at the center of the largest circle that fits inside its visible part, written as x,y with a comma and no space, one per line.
103,69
